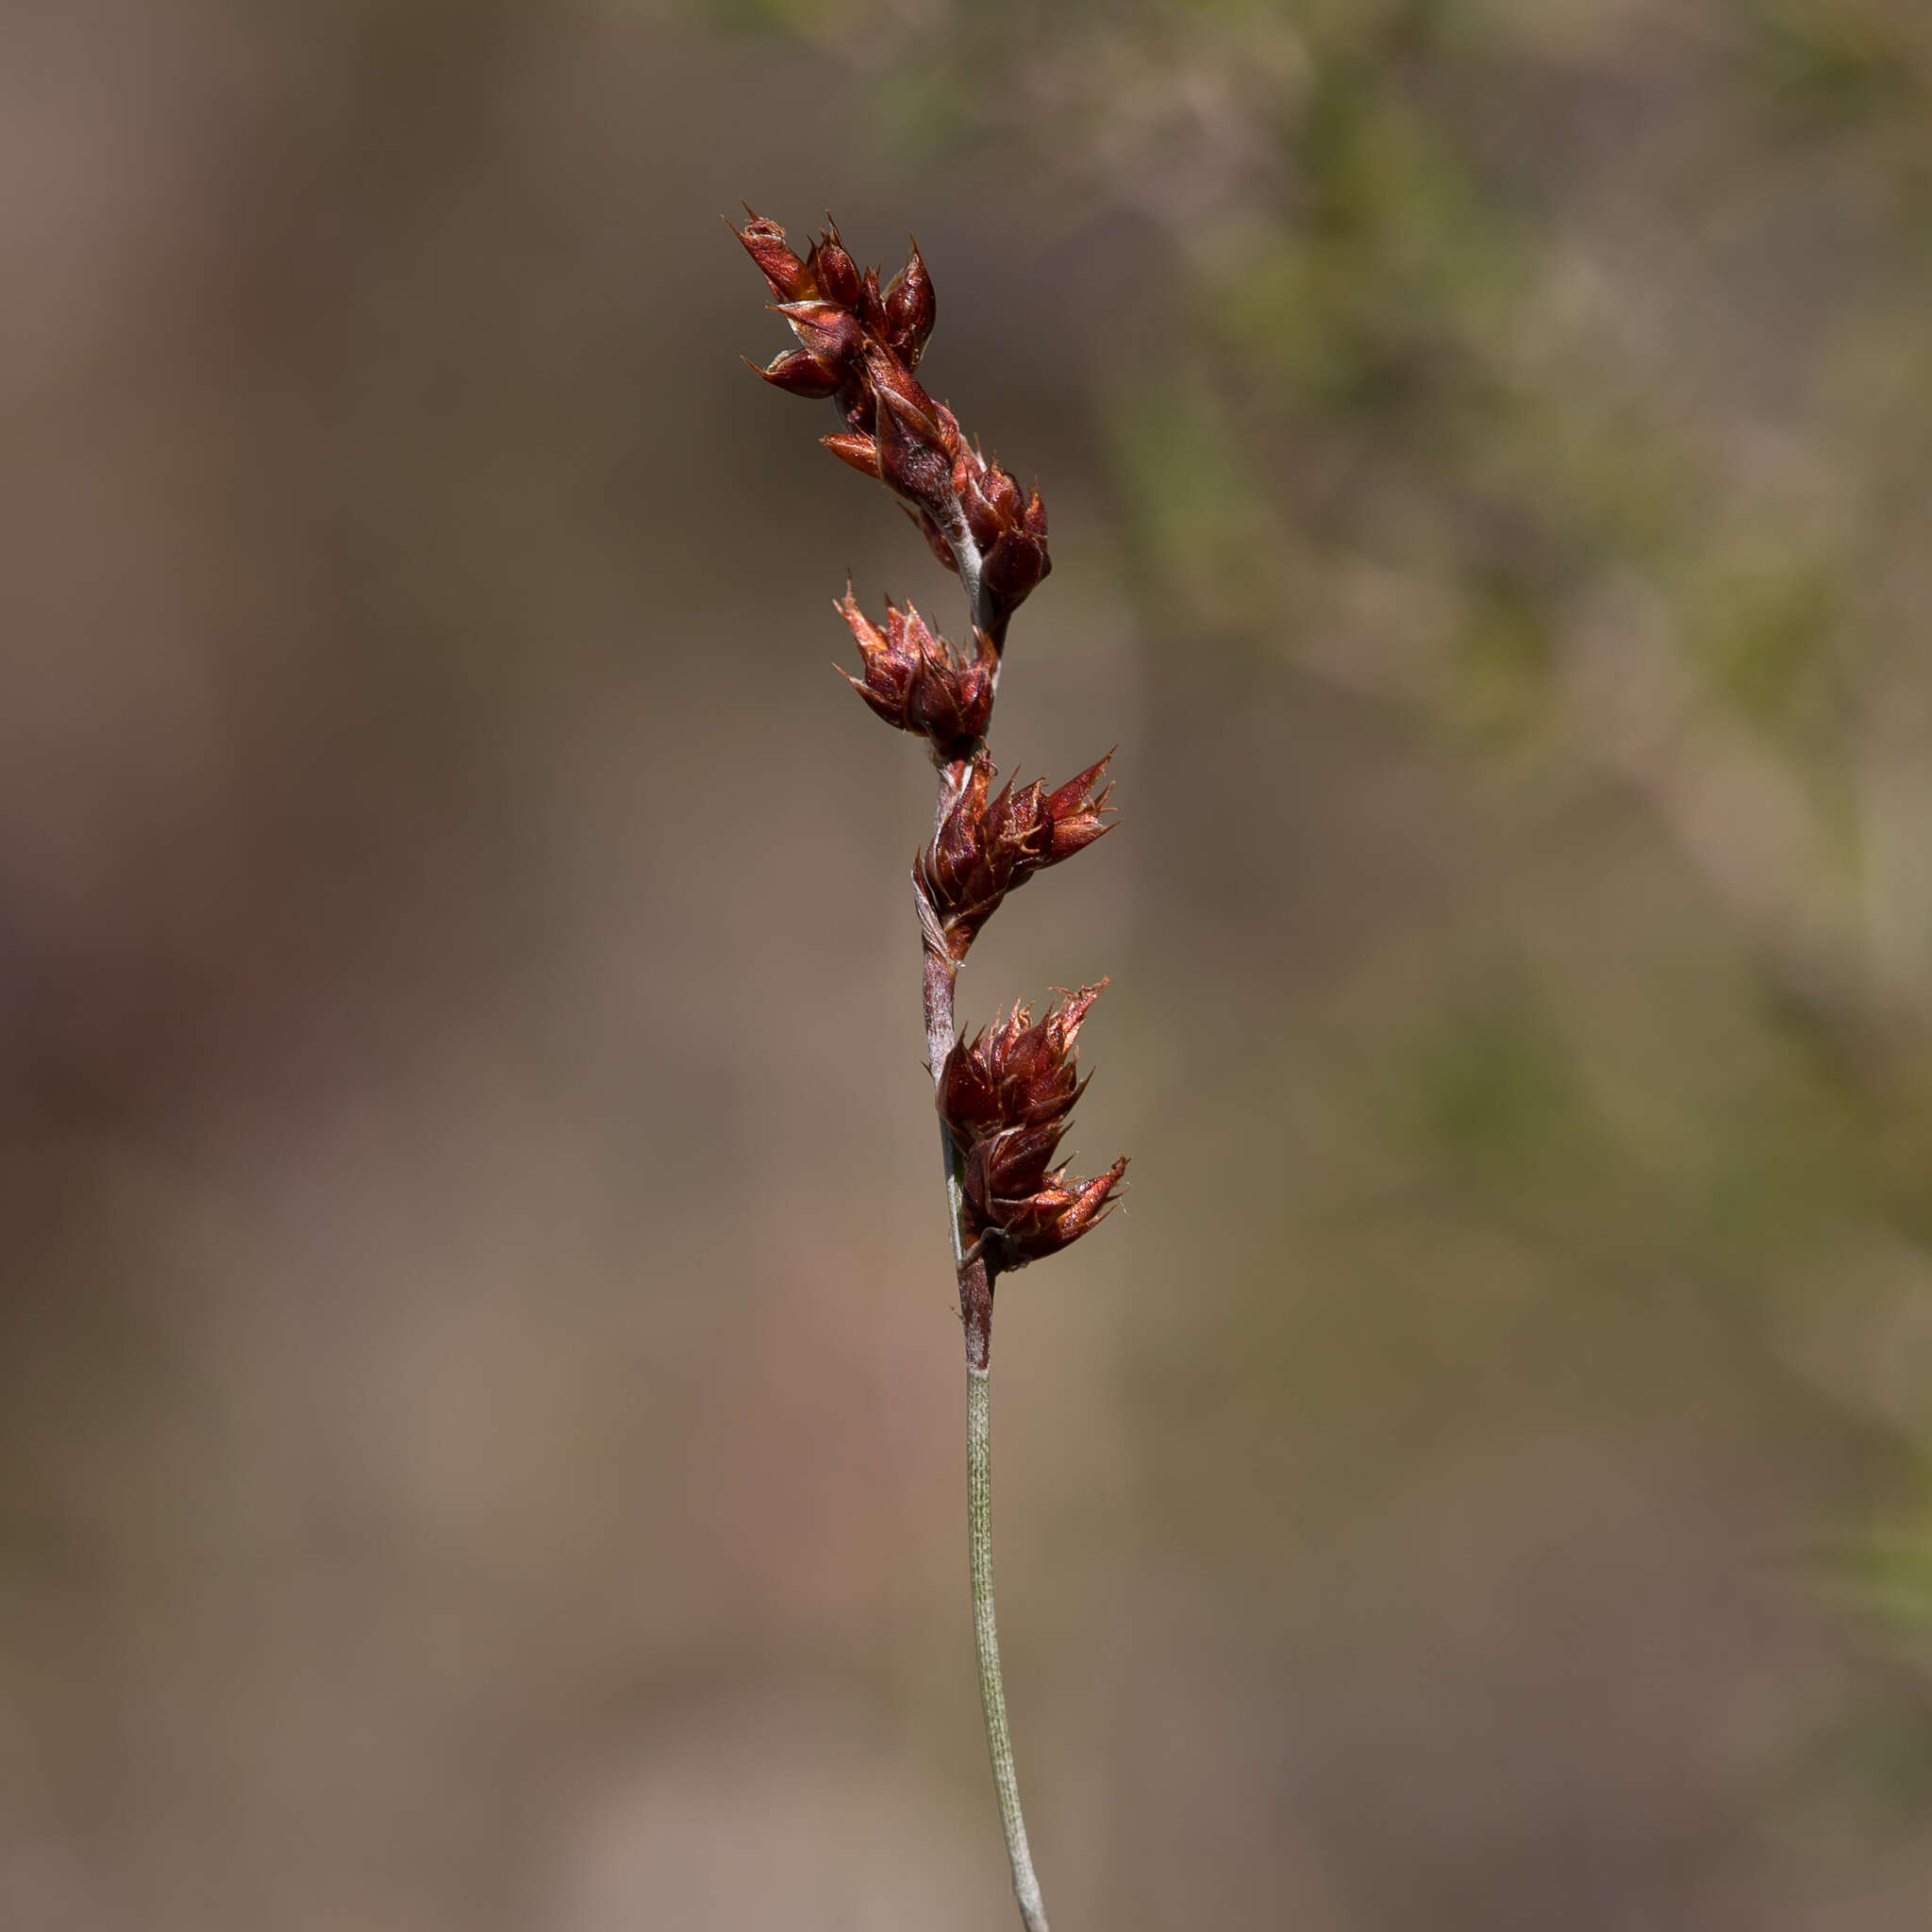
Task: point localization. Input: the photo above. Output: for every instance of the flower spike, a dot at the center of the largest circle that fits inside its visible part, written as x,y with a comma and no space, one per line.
858,346
987,846
917,681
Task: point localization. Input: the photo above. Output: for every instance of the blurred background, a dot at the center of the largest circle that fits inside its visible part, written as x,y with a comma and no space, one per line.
480,1408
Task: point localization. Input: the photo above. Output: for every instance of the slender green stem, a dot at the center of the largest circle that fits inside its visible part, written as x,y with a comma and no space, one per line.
975,1277
992,1691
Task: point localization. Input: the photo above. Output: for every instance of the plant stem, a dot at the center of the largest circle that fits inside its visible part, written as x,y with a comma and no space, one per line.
992,1693
975,1312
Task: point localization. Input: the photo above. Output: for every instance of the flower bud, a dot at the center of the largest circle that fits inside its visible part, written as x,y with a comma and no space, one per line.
787,276
1015,1073
1005,1097
800,373
985,847
988,496
918,682
834,270
1027,1227
1010,529
911,309
1076,813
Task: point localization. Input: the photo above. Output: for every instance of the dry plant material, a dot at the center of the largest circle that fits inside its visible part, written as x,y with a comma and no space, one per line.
1005,1096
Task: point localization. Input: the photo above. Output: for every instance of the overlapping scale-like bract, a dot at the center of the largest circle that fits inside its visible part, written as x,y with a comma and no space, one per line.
1006,1097
987,843
860,344
919,682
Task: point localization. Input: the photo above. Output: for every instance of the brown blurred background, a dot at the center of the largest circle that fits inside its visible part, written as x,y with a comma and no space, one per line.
480,1409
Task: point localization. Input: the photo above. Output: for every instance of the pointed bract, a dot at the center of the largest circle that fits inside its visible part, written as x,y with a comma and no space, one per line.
910,308
913,460
1077,811
1053,1216
860,451
801,373
834,270
917,681
787,276
826,330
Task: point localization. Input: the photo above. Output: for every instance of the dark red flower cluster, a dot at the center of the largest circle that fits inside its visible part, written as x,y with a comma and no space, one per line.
917,681
1006,1097
987,846
858,344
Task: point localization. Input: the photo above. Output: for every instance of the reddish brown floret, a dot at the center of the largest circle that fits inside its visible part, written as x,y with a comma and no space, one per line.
787,276
987,846
911,309
1029,1228
1010,529
835,271
860,347
800,373
917,681
1017,1073
1006,1097
861,452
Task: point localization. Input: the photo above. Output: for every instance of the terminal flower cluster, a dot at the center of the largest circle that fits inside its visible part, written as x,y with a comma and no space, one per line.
858,344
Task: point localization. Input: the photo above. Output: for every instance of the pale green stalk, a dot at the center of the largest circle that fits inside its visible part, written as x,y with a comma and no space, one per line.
992,1692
